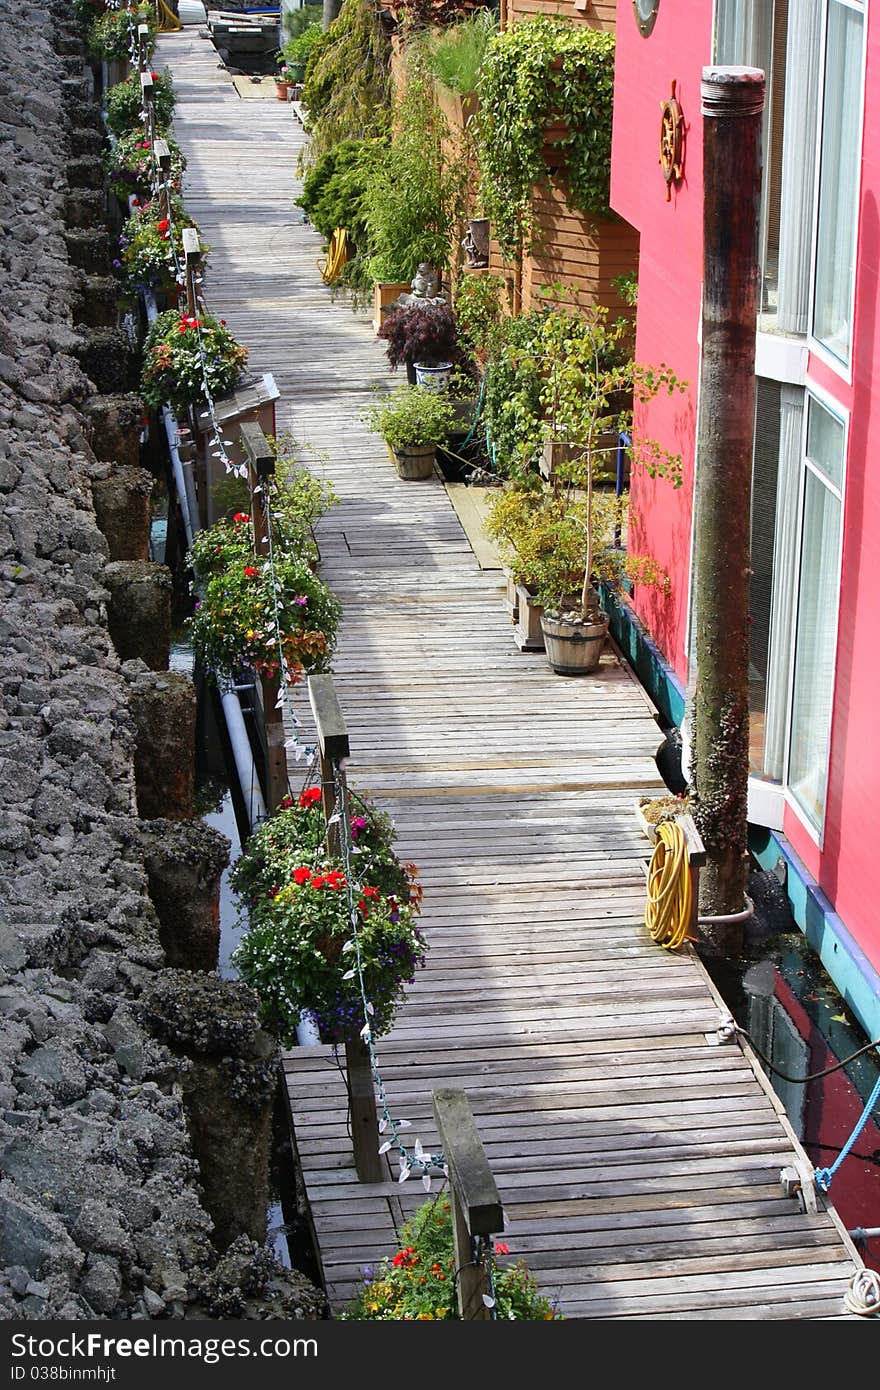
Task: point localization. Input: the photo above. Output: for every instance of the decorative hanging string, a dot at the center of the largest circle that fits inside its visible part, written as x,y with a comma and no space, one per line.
284,701
417,1160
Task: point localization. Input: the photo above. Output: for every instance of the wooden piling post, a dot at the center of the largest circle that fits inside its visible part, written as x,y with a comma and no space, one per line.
476,1205
333,747
732,104
192,255
260,460
162,156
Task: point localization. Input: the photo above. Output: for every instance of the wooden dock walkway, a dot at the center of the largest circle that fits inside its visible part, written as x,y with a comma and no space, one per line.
638,1164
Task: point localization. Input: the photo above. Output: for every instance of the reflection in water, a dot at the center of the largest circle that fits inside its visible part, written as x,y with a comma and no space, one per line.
795,1016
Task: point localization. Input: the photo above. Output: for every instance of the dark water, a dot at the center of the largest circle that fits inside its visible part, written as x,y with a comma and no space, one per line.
287,1232
782,996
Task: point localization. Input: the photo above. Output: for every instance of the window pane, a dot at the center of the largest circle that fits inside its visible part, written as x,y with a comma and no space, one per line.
814,647
825,443
838,177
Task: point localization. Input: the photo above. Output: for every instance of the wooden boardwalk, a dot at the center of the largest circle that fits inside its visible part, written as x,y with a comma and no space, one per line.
638,1165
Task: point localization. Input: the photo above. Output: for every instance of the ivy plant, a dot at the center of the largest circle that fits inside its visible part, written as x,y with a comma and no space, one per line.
544,71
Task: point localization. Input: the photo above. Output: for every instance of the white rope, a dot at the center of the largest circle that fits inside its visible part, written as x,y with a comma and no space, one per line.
863,1294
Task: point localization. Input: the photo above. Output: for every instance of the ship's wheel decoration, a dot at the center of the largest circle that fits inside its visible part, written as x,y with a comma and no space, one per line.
671,141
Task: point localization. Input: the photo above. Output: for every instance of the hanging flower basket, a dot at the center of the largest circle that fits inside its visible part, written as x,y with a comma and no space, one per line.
184,353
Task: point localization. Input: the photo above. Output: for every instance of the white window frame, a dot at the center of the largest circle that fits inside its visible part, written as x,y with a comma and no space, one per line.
834,408
836,364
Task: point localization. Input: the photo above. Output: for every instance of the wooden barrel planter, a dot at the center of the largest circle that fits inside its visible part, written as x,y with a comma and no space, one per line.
573,647
415,464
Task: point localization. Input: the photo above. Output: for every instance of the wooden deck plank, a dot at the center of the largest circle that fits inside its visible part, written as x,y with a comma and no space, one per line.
638,1164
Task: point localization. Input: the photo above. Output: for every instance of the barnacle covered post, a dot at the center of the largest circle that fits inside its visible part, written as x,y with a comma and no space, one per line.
732,104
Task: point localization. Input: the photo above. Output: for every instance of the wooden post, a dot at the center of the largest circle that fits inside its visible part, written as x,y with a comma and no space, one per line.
143,42
147,103
192,255
476,1205
333,747
732,103
260,461
162,156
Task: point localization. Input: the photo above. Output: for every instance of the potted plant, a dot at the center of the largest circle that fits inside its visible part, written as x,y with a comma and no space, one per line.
124,104
412,422
588,387
183,353
151,245
251,613
131,168
296,953
420,332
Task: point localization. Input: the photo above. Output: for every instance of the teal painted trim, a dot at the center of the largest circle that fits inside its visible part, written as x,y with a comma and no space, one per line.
846,963
646,658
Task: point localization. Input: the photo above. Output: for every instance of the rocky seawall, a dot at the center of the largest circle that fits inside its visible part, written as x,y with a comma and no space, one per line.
102,1199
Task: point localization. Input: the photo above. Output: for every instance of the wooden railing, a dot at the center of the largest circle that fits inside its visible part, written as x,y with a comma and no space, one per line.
477,1213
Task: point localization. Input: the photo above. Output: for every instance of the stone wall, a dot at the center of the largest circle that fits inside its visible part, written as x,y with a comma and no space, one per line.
101,1209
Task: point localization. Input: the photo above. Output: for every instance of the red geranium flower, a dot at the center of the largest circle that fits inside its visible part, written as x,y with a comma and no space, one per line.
372,893
251,571
318,881
240,517
302,875
502,1248
163,224
309,797
406,1258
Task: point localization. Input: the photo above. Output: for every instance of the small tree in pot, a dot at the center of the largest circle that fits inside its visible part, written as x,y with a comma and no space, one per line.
420,333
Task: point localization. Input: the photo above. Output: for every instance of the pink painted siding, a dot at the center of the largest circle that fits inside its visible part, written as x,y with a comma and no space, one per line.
670,260
848,868
847,865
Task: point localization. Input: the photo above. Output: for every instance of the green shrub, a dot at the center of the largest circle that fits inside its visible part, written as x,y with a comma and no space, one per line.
347,91
124,103
295,21
417,1284
298,51
455,55
412,418
539,71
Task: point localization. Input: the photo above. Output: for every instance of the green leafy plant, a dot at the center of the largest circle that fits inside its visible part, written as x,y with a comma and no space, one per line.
412,199
334,194
124,103
540,72
294,22
417,1284
411,418
347,90
297,51
182,352
478,311
151,245
110,34
455,55
234,624
131,168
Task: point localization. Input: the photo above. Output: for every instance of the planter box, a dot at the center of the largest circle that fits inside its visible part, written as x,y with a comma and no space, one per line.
384,295
457,109
511,596
527,632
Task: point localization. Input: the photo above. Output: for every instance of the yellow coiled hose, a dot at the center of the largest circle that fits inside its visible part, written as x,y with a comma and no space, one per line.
167,21
668,909
337,255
